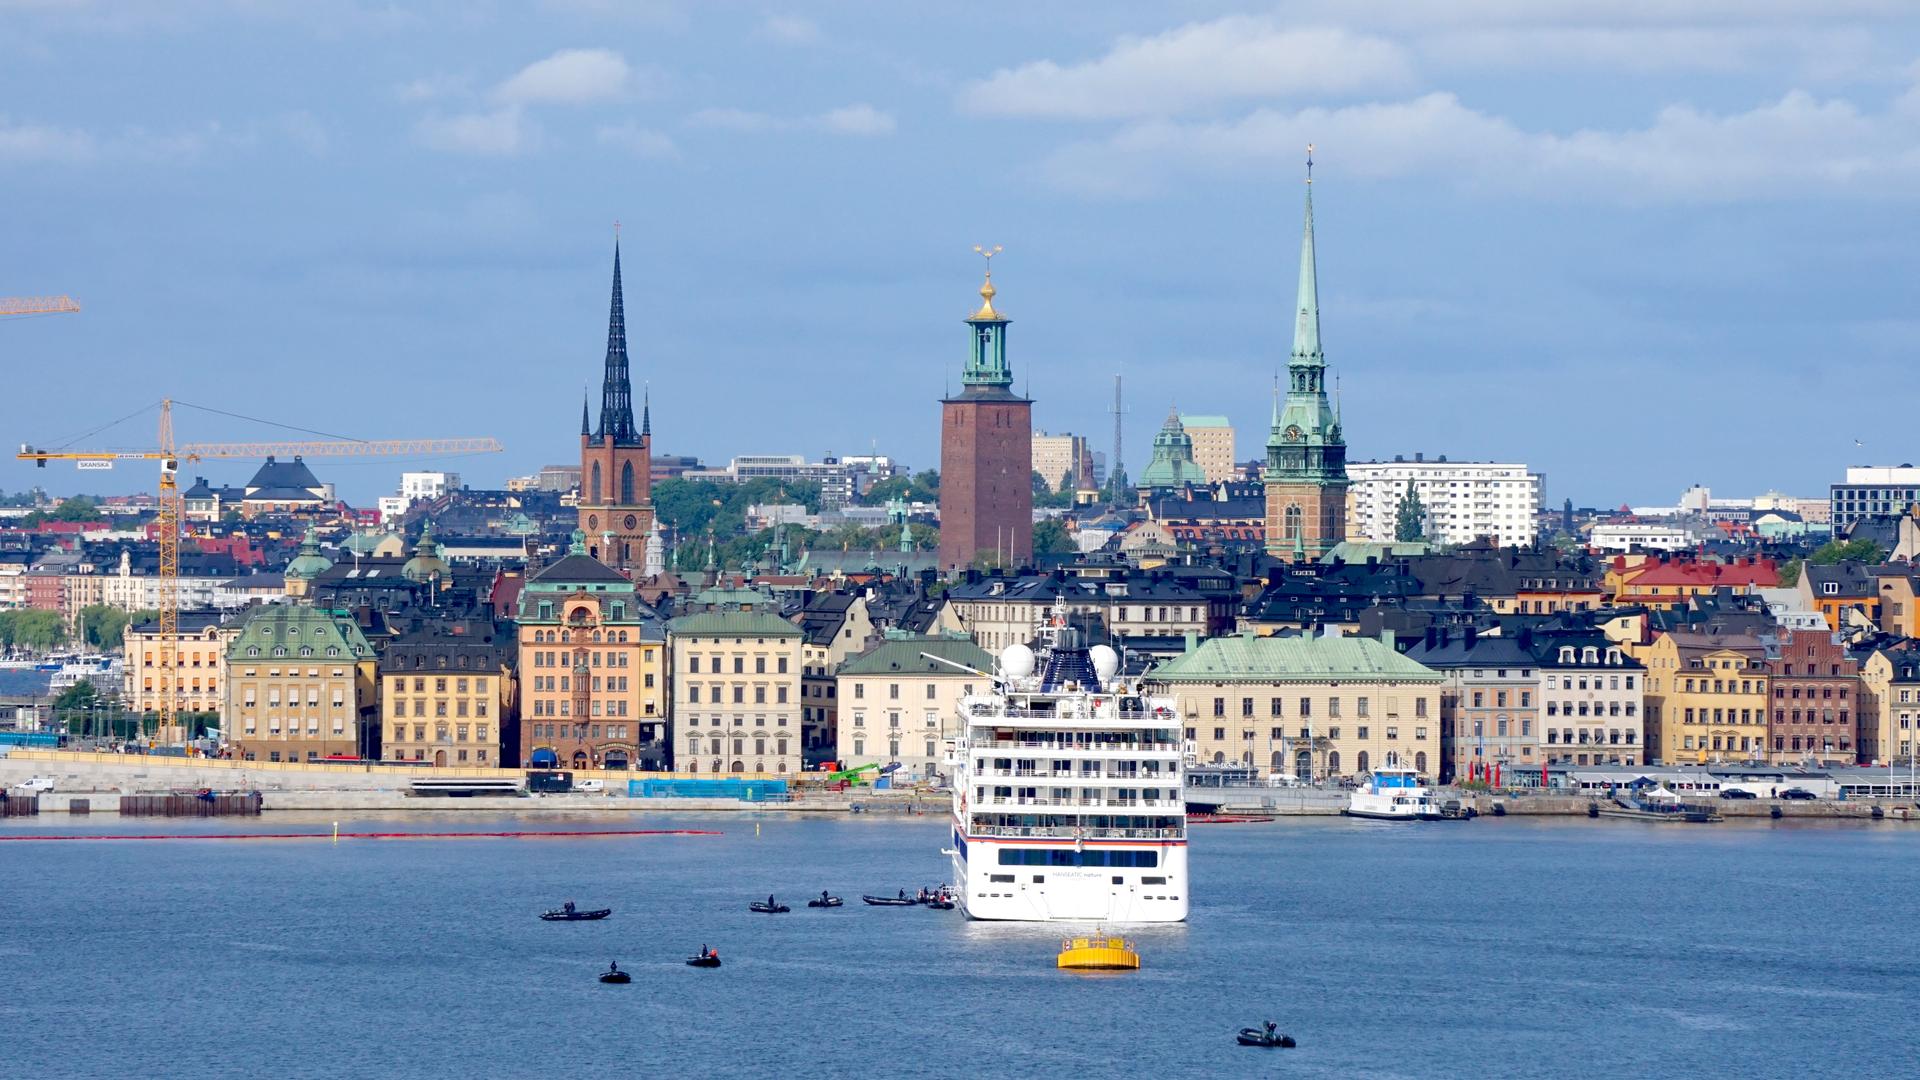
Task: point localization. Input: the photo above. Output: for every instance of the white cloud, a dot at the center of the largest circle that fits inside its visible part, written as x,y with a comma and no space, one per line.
1198,64
40,143
431,88
1782,149
568,77
499,133
790,30
638,141
856,120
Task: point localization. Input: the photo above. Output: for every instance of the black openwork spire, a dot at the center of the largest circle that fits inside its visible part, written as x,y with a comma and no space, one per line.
616,393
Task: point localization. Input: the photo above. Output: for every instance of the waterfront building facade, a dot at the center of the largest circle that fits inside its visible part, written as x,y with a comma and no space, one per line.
592,669
736,692
1310,707
446,693
897,705
1815,688
1489,706
199,651
1592,697
300,686
1706,697
986,454
1002,611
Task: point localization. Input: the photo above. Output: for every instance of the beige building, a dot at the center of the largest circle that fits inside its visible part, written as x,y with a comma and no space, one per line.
1212,446
897,705
300,686
199,652
1706,698
736,692
999,611
1058,457
446,693
1310,707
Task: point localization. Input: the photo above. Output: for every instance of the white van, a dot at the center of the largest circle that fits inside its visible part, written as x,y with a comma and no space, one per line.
591,787
36,783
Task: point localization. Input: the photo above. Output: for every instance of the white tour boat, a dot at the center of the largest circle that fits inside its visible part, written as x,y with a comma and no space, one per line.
1393,793
1067,801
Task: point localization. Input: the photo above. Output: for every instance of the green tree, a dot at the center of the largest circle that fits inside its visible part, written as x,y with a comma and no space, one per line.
80,695
1410,519
1045,496
32,629
1050,538
1790,573
922,486
106,627
1839,551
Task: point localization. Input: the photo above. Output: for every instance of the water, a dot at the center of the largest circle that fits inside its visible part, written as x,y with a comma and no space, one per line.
1508,948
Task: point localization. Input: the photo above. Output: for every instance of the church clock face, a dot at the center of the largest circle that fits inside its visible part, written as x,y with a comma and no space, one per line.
593,521
632,521
1292,433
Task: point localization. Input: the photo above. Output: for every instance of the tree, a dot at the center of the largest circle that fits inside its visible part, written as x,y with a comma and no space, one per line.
1790,573
1045,496
80,695
922,486
1839,551
105,627
38,631
1050,538
1410,520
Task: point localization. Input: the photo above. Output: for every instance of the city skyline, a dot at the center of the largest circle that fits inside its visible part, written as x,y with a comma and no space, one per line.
416,243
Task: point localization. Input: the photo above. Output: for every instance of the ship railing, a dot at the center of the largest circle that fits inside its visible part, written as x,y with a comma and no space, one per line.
1018,712
1036,746
1080,802
1068,832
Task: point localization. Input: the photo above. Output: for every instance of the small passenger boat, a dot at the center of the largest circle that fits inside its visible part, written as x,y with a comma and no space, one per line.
825,901
890,901
571,914
1267,1037
708,959
1097,953
764,908
940,902
613,974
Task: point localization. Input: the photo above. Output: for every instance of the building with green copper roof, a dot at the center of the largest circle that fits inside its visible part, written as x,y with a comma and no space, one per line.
1311,706
736,692
898,701
1172,465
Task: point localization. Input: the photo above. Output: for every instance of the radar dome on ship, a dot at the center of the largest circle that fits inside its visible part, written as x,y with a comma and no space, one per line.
1105,661
1016,661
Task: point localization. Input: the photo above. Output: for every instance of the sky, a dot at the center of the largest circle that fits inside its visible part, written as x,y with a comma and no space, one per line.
1636,244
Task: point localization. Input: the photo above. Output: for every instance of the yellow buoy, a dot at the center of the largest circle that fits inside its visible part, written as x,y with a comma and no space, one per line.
1098,953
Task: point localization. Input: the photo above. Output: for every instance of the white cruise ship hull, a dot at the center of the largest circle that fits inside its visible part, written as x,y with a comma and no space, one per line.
1026,885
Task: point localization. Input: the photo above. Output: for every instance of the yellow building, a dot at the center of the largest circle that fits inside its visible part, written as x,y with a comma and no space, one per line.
736,694
897,705
1706,697
446,693
199,664
300,686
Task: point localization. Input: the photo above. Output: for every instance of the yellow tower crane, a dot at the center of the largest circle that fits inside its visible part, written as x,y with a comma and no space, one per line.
172,510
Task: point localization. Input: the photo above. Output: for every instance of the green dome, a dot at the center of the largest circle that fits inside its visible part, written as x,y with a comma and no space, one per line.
1172,465
309,563
426,563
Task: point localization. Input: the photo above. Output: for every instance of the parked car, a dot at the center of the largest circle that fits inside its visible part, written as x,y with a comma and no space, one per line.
1737,793
1797,793
591,786
36,783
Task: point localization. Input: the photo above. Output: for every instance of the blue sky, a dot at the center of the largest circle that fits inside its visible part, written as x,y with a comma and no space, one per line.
1635,243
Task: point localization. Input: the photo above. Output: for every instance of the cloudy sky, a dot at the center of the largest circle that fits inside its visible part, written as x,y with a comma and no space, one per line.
1635,243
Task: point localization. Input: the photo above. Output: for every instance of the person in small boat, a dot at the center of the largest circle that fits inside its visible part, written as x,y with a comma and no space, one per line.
824,896
769,899
903,894
613,967
567,907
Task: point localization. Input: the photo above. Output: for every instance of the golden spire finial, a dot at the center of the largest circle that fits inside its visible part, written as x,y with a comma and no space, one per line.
987,291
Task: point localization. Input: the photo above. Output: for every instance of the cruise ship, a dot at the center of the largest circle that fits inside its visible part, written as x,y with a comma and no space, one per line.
1067,801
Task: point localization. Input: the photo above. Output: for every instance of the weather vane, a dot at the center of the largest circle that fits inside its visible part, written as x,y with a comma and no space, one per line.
1309,163
987,254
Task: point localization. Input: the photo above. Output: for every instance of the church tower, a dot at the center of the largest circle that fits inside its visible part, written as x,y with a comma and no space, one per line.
986,452
1306,472
616,457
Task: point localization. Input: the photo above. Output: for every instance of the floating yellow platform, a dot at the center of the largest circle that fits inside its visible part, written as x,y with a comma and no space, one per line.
1098,953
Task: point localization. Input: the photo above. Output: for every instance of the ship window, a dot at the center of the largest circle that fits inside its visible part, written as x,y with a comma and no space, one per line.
1153,881
1008,878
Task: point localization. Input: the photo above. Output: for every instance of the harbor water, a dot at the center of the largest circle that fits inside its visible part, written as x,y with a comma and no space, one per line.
1516,948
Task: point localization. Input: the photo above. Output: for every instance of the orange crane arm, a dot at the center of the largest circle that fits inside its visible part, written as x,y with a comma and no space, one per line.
340,448
37,305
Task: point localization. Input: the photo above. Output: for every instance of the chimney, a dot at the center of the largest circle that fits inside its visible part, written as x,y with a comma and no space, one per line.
1473,635
1387,638
1192,642
1419,455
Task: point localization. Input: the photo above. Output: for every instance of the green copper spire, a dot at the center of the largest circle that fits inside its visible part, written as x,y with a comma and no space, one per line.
1305,445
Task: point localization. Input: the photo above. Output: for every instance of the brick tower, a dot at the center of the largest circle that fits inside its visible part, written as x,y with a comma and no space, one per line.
616,458
986,453
1306,473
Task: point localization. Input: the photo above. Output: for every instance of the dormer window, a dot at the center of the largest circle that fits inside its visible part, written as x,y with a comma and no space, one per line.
1830,588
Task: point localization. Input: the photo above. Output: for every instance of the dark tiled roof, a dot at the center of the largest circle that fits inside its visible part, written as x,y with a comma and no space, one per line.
581,568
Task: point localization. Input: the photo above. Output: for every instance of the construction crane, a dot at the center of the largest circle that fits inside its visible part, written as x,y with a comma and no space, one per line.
38,305
172,508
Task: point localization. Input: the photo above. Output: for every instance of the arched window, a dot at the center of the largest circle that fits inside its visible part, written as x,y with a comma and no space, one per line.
593,496
1363,761
1333,763
1292,526
1420,762
626,484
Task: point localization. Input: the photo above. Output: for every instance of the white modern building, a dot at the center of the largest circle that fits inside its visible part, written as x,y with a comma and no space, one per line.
427,485
1464,500
841,479
1874,490
1640,536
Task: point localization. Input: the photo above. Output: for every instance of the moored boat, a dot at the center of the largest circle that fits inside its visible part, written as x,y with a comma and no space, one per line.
890,901
1392,793
1264,1037
765,908
704,960
825,901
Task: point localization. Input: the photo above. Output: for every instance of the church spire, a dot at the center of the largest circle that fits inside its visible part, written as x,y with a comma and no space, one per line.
586,426
646,411
616,391
1306,327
